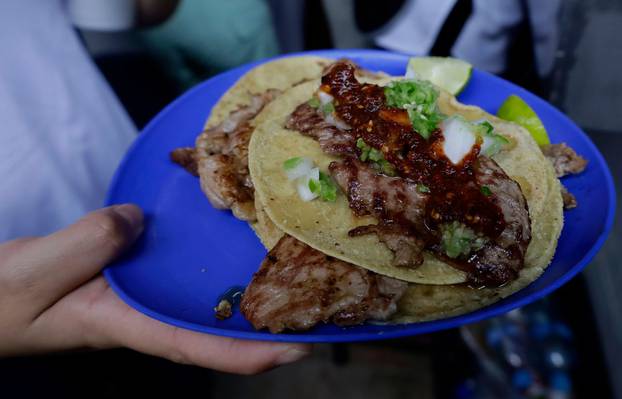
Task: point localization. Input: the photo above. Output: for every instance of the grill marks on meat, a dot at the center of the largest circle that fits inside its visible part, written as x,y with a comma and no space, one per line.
569,200
298,287
220,159
565,161
311,122
501,259
406,247
371,193
395,201
389,199
186,158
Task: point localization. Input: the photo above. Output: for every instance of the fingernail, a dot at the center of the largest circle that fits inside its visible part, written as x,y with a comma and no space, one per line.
292,355
133,215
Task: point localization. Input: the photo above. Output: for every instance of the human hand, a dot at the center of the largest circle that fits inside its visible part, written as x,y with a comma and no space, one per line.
53,298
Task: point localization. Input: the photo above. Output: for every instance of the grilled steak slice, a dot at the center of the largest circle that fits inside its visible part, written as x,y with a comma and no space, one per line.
311,122
186,158
564,159
397,200
501,259
406,247
220,159
222,184
384,197
298,287
371,193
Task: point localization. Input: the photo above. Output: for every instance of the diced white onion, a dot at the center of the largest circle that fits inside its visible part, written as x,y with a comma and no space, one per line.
459,139
330,118
302,185
325,98
302,169
488,141
314,174
303,190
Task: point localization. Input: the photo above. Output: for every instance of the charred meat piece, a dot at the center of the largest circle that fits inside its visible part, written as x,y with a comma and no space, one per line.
370,193
564,159
406,247
298,287
501,259
397,201
569,200
311,122
220,159
186,158
223,310
223,185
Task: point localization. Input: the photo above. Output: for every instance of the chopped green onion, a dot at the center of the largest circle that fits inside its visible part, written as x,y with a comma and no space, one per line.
314,102
314,186
459,240
492,142
486,191
384,167
376,157
328,108
422,188
324,187
488,128
328,190
297,167
418,98
362,145
292,163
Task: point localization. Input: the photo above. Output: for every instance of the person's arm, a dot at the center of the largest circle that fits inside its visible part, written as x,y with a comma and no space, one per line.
154,12
53,298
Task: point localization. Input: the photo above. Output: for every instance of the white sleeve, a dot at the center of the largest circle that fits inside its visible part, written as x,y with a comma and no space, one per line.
104,15
414,29
486,36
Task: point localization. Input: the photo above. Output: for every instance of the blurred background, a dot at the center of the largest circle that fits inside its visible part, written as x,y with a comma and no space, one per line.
567,51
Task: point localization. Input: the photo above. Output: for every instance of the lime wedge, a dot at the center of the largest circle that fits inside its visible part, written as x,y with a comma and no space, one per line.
448,73
514,109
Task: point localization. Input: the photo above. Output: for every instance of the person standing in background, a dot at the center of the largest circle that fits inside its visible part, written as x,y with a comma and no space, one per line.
482,32
62,134
202,38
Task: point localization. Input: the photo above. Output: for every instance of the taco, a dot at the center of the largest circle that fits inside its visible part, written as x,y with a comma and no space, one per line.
220,155
319,271
394,225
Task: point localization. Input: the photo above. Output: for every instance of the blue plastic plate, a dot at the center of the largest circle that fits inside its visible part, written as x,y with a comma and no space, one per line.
191,253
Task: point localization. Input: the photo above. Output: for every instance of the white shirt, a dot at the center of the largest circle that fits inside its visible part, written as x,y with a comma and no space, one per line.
484,39
62,130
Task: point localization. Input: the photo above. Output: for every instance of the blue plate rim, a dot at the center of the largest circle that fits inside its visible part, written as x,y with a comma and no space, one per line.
422,327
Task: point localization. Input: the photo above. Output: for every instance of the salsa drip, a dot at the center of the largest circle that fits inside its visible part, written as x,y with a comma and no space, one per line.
453,192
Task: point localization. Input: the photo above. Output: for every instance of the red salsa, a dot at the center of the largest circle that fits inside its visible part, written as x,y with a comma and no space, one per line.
454,194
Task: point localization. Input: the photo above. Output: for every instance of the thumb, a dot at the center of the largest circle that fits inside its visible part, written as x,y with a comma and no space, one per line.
55,265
